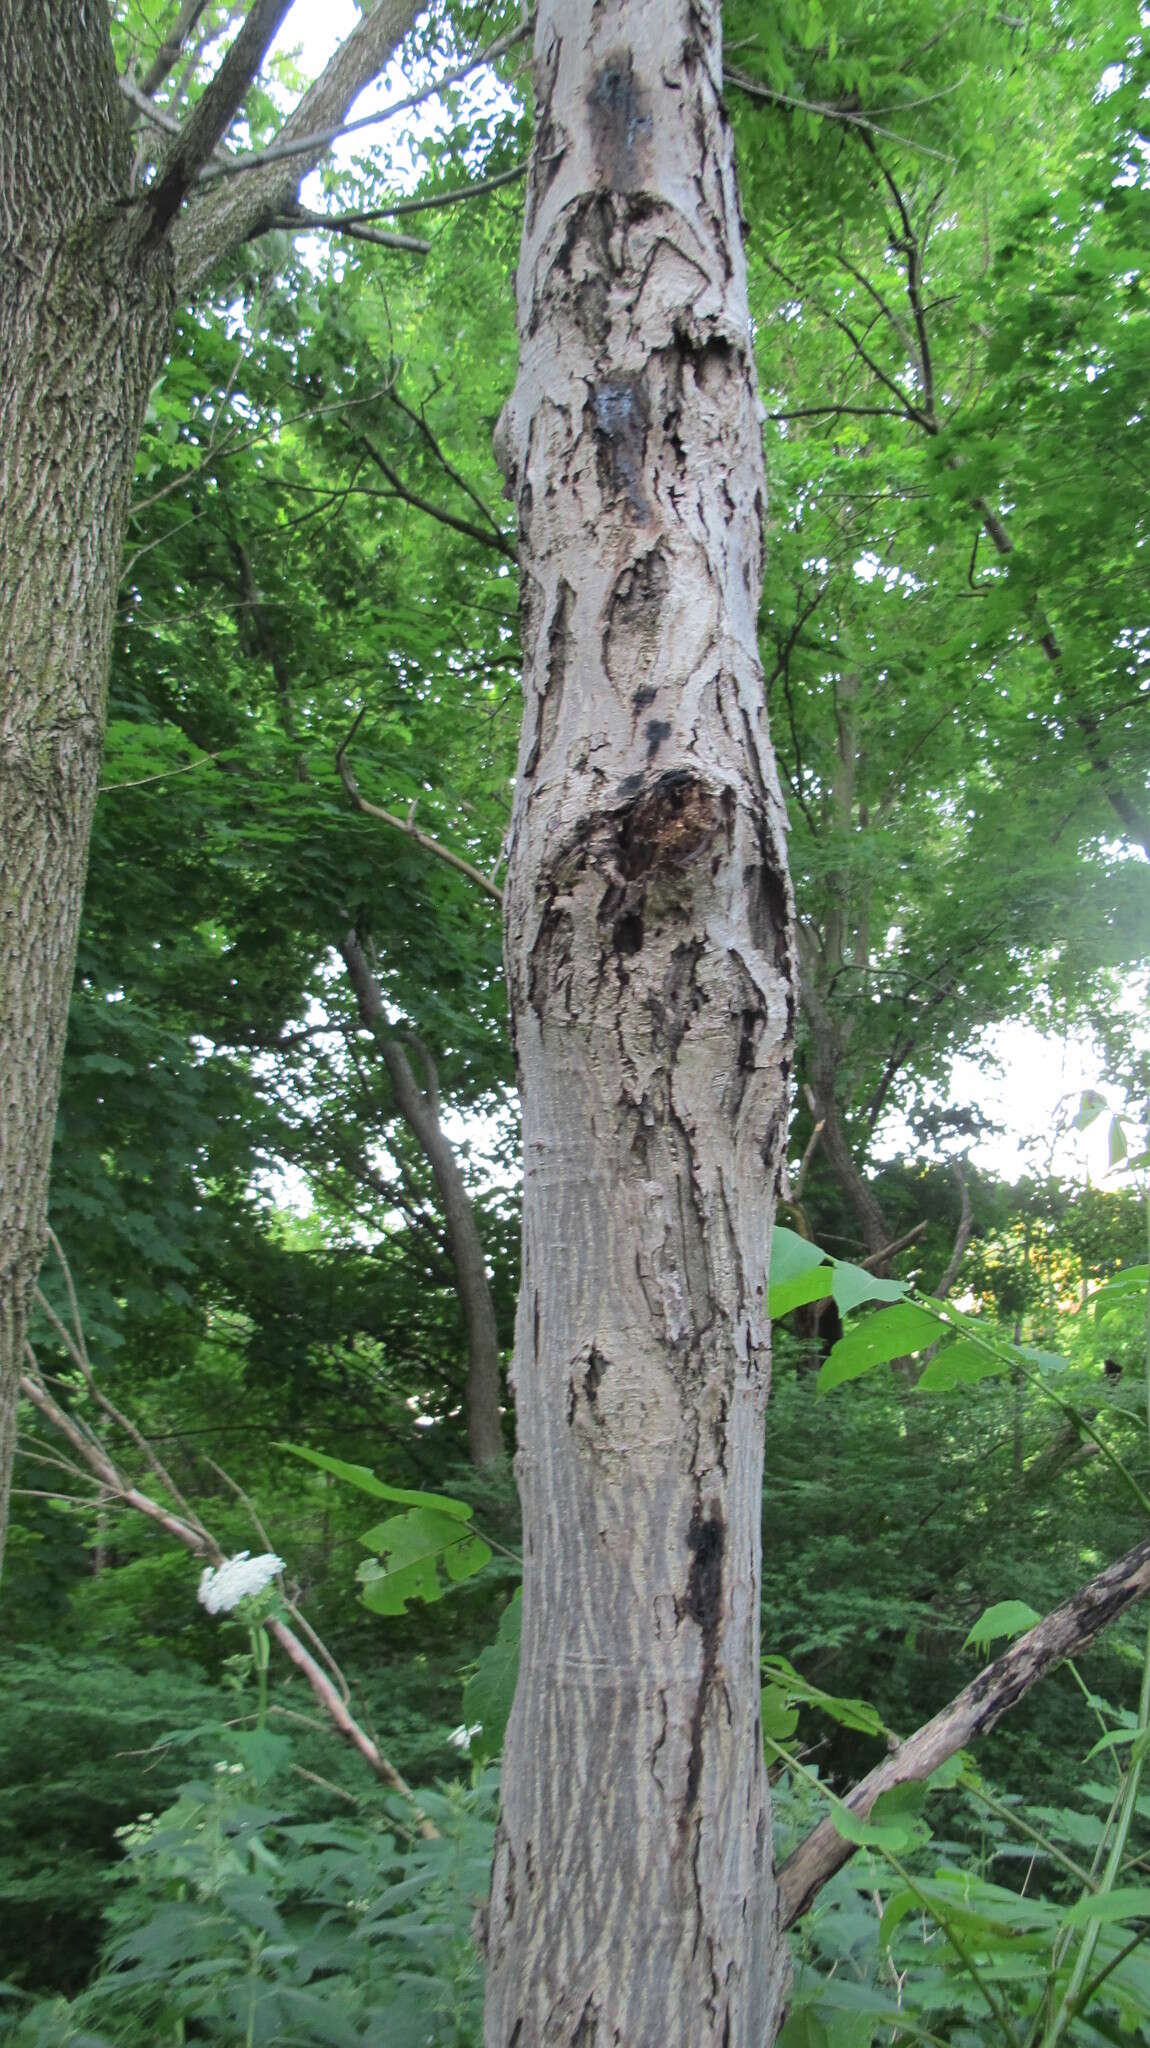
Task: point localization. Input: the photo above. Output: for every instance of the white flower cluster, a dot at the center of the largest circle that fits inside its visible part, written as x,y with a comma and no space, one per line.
223,1588
463,1736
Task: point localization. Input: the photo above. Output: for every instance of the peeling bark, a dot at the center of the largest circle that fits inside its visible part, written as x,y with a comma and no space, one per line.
650,965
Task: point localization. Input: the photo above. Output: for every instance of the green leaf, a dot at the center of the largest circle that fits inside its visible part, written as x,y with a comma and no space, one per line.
412,1548
791,1255
849,1713
893,1333
389,1592
814,1285
959,1364
1125,1902
421,1531
895,1821
1117,1142
261,1752
488,1693
1006,1618
1090,1108
779,1717
1132,1280
853,1285
362,1477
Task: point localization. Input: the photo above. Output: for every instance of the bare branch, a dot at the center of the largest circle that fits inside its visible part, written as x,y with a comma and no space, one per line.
418,420
962,1235
168,54
887,1251
488,539
201,1543
214,111
862,412
434,199
302,217
319,142
851,116
1063,1633
405,825
156,117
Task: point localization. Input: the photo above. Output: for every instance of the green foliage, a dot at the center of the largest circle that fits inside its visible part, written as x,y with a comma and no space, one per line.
418,1554
236,1921
490,1690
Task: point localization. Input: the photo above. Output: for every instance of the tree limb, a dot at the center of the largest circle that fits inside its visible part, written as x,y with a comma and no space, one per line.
852,116
962,1235
168,54
214,111
887,1251
318,142
973,1713
433,199
486,537
218,219
405,825
297,217
197,1539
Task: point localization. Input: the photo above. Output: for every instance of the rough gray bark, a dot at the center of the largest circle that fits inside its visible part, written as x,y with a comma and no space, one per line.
85,308
650,967
419,1109
86,295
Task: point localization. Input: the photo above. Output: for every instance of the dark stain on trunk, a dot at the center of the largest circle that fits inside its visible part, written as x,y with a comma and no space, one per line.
620,121
704,1606
619,417
669,824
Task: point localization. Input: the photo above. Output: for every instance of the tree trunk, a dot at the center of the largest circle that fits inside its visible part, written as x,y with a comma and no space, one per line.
420,1111
86,297
85,308
649,956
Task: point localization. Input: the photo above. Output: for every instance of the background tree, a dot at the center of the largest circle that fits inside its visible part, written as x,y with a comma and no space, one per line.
97,264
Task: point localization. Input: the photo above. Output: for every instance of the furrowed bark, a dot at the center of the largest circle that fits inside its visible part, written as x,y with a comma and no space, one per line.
481,1399
650,964
86,298
85,310
1064,1633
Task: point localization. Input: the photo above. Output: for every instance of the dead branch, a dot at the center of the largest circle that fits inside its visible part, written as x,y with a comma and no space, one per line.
962,1235
887,1251
1064,1633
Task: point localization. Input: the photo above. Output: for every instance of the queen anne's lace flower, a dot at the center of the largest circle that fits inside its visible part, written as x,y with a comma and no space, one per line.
224,1587
464,1736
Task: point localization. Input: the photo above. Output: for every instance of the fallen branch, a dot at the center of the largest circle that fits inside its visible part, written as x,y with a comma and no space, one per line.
962,1235
1063,1633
